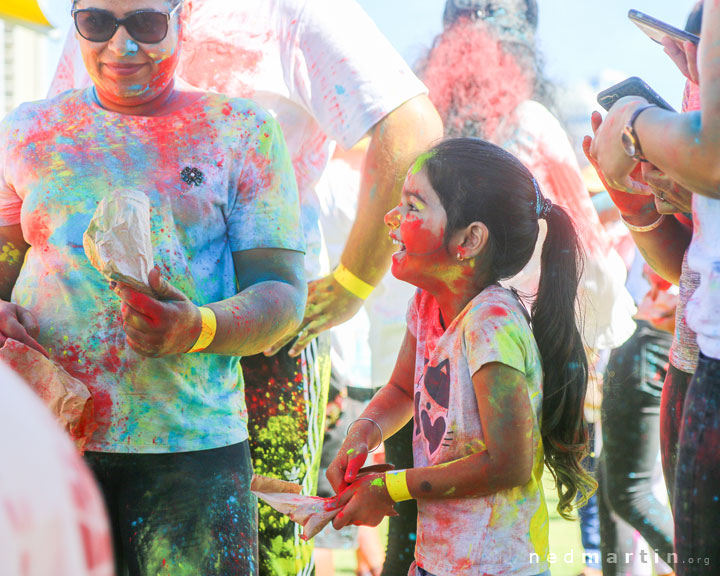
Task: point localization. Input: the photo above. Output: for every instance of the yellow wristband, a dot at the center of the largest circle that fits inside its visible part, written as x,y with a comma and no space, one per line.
352,283
207,333
396,484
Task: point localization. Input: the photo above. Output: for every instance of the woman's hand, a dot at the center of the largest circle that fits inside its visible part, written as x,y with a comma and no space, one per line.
19,324
364,503
160,326
685,55
670,197
639,202
607,148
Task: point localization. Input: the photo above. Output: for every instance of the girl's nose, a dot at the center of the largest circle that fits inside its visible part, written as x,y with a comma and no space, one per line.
392,218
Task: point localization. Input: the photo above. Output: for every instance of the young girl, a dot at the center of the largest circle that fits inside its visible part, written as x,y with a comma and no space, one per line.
495,395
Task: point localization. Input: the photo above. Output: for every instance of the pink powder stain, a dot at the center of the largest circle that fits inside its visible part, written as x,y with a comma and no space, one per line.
498,311
471,78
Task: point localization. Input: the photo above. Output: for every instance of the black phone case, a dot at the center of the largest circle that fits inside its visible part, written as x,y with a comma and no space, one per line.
633,86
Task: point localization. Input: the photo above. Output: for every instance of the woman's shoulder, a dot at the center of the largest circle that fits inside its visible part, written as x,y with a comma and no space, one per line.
45,111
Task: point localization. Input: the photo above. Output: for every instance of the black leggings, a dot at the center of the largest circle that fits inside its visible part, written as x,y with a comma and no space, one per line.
697,480
631,442
182,513
671,411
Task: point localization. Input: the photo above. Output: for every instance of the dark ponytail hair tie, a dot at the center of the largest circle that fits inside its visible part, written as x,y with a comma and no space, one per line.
542,205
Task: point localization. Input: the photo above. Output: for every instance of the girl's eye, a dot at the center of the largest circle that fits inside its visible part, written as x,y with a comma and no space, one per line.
412,207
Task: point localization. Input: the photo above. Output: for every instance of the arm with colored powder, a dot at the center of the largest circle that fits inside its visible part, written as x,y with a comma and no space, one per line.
503,462
686,146
396,141
15,321
270,302
391,408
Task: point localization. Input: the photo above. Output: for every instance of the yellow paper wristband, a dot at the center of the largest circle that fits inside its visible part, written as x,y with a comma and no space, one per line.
207,333
396,483
352,283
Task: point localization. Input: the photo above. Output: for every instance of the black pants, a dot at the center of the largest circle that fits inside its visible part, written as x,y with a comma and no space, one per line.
671,411
633,385
182,513
697,480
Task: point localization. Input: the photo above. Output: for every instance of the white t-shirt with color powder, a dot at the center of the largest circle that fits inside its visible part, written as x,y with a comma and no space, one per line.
505,533
321,67
703,310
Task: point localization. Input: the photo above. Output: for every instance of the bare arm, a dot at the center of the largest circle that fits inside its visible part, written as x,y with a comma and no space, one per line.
391,408
14,247
270,302
396,141
15,321
685,147
504,461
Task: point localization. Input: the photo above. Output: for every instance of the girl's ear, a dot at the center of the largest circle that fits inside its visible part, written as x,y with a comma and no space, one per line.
472,241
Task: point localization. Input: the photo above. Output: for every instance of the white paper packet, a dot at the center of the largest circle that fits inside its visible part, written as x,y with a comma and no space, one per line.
117,241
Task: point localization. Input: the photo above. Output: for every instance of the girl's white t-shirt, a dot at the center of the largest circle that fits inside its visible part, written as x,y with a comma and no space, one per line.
505,533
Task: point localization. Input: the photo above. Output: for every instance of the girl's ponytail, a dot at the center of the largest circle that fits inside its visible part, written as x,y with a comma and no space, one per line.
565,367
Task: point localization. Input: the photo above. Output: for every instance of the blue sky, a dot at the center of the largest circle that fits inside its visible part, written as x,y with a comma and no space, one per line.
579,38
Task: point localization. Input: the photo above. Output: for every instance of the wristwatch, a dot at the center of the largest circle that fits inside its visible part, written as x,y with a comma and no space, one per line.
630,141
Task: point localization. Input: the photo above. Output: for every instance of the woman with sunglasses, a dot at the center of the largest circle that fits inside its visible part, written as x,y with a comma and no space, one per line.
170,451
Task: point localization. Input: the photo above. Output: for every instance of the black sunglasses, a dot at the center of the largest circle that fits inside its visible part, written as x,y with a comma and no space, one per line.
145,26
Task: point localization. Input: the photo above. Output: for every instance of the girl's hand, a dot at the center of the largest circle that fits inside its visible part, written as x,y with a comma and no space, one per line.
344,469
366,502
685,56
19,324
167,324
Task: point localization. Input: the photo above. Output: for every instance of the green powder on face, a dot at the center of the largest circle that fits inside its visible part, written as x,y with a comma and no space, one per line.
420,162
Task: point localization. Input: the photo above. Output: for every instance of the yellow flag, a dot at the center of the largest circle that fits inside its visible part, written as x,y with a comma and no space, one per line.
24,12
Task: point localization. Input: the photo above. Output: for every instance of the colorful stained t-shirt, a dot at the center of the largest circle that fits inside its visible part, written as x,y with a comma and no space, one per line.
58,159
321,67
52,516
505,533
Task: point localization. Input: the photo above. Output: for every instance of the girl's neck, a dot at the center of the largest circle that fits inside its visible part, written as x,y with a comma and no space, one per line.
453,299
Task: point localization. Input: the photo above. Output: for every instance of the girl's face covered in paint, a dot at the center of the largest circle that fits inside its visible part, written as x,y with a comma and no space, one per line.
125,71
418,226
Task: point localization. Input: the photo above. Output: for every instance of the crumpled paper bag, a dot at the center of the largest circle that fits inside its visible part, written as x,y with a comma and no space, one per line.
67,398
117,241
311,512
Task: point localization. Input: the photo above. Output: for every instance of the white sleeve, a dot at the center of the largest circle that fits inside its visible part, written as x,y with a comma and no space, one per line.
345,71
70,73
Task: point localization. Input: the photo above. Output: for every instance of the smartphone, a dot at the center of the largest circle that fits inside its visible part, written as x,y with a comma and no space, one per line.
633,86
657,29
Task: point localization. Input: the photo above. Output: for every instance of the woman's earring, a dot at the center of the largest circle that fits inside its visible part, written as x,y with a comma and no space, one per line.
460,257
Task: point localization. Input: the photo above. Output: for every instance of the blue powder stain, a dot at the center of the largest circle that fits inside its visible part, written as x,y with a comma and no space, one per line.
412,536
130,46
339,89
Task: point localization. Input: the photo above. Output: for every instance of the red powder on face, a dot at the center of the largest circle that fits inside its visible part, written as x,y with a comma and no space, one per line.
473,81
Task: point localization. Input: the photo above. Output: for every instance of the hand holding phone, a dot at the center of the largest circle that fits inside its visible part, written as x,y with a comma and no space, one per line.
658,30
633,86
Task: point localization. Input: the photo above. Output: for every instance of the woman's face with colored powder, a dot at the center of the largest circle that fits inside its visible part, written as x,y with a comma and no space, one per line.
124,70
418,226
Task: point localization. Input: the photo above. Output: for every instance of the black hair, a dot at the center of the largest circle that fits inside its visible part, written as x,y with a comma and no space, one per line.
477,181
694,21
